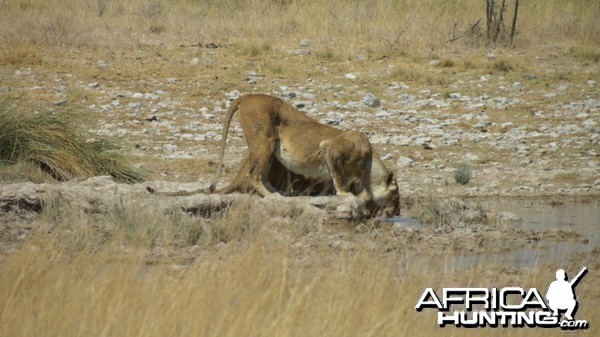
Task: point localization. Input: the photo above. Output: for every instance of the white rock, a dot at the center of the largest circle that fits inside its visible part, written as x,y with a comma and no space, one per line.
518,86
405,162
233,94
350,76
422,140
371,101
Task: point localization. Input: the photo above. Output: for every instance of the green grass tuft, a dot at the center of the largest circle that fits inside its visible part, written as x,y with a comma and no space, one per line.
52,142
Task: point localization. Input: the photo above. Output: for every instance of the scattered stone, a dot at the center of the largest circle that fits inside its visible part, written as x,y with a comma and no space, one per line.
23,71
251,74
330,121
350,76
134,105
371,101
564,87
529,76
471,157
422,141
300,105
304,43
518,86
233,94
405,162
300,52
454,95
195,61
309,96
103,64
550,95
60,102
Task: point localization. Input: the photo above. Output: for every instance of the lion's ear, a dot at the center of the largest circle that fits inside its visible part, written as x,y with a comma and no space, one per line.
390,179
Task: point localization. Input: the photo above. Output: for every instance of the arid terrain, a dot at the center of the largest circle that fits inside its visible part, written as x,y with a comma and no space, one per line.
436,99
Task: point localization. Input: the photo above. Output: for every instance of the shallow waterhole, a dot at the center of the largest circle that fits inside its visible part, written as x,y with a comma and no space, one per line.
541,215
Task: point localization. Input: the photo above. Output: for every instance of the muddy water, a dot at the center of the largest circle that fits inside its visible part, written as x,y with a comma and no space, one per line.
581,217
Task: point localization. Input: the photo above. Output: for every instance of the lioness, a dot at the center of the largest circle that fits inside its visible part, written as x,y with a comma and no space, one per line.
344,159
282,179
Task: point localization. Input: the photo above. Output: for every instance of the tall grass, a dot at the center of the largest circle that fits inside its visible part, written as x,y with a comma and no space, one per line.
261,290
380,23
131,273
52,142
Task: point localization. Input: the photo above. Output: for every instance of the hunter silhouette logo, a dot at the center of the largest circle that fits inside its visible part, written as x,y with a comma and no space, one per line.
509,306
561,295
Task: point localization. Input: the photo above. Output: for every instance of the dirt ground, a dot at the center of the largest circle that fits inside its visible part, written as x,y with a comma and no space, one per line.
525,126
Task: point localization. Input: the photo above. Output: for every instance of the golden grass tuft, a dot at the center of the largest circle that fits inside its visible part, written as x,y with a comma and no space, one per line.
22,56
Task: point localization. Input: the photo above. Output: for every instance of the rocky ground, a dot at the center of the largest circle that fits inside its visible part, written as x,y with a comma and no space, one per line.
527,124
524,127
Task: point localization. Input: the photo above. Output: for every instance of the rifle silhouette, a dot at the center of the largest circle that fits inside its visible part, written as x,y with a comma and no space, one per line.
578,277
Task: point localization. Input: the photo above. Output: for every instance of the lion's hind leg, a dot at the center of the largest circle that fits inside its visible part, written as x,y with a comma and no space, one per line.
261,157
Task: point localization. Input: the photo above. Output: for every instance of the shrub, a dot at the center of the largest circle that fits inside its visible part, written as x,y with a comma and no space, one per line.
462,175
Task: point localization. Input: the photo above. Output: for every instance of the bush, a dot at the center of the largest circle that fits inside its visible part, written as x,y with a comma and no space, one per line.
50,141
462,175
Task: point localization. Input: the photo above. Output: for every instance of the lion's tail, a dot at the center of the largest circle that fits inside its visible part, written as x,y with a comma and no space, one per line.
232,109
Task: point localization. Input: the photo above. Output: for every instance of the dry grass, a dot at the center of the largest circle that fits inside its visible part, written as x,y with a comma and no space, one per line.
254,292
385,24
260,290
127,274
